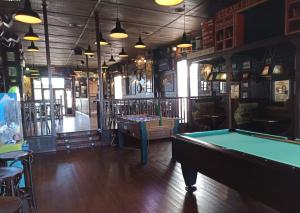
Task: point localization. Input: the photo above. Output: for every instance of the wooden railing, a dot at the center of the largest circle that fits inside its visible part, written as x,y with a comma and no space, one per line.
180,107
36,117
169,107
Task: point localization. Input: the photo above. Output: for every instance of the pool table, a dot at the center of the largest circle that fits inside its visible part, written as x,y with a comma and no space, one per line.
145,128
265,167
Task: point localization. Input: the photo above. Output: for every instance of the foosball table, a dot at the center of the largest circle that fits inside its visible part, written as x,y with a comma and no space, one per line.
146,128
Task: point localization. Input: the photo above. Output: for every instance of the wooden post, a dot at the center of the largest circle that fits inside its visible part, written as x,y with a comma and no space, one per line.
45,17
101,124
296,86
88,83
228,82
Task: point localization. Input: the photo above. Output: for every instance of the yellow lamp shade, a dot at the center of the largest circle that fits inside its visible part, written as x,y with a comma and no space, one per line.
118,31
168,2
30,35
32,47
185,43
27,15
140,44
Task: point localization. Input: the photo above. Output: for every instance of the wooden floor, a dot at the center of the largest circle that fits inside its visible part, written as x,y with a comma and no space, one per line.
79,122
110,180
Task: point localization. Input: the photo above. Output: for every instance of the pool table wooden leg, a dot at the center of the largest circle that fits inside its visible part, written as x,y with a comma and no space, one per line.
190,178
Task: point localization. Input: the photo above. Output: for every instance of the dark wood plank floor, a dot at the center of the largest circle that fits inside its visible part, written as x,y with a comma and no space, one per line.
110,180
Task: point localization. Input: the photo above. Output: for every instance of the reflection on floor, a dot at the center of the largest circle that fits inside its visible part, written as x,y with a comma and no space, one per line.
81,122
112,180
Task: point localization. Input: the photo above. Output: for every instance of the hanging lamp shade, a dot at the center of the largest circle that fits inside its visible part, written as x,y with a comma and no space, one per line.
30,35
185,43
32,47
104,65
102,41
89,51
111,60
77,70
27,15
123,54
118,31
168,2
33,70
140,44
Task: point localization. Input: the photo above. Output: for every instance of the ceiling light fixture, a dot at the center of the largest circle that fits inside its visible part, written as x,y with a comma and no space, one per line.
102,41
78,70
168,2
185,43
30,35
32,47
27,15
118,31
140,44
89,51
111,60
104,65
123,54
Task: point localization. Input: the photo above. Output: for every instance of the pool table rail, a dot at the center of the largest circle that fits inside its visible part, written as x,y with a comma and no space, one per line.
271,182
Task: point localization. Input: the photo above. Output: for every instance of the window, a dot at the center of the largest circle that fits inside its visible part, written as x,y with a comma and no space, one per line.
182,70
118,87
223,87
194,80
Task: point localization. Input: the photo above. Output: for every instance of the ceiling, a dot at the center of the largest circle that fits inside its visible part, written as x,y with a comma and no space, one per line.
70,25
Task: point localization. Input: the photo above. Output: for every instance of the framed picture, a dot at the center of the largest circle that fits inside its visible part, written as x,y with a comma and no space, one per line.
11,56
167,82
12,71
245,84
281,90
244,95
246,65
235,91
206,71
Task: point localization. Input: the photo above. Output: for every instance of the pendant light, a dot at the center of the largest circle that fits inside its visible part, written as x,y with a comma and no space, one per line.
111,60
140,44
77,70
32,47
89,51
104,65
30,35
185,43
27,15
118,31
168,2
123,54
102,41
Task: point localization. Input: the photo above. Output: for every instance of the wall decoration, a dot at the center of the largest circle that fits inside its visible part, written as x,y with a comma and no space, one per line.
139,88
244,95
246,65
10,119
281,90
167,82
235,91
11,56
245,84
12,71
205,71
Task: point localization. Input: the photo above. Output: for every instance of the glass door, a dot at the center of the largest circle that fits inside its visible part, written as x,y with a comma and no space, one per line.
59,96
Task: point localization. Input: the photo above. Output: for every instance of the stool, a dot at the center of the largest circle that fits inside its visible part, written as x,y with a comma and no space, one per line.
26,159
10,204
10,178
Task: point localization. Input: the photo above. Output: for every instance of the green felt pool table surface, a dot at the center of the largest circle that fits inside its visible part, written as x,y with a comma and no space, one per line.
247,142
